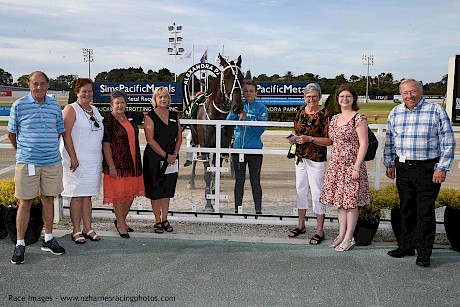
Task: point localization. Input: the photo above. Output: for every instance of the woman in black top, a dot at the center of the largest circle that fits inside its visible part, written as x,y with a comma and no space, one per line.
164,137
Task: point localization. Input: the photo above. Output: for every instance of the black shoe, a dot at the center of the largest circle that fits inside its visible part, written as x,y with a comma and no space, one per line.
399,253
187,163
18,254
130,229
423,261
123,235
53,247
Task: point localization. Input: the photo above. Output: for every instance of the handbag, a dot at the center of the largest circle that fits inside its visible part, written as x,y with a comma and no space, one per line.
291,152
373,143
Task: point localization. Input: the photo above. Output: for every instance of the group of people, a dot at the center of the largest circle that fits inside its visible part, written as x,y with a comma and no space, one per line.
91,147
419,150
343,182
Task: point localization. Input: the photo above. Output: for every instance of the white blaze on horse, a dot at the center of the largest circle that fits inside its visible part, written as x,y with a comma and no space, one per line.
222,98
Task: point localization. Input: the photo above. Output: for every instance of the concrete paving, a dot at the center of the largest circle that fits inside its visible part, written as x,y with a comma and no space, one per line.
203,270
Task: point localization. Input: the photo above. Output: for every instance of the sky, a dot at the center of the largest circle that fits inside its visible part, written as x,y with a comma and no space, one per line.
410,39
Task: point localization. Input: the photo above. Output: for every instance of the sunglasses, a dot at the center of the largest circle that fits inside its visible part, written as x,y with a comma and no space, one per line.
95,123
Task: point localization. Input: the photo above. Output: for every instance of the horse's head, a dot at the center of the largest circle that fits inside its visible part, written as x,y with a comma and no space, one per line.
231,79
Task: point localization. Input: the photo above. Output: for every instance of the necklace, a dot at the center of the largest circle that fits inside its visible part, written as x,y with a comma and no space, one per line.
310,117
86,110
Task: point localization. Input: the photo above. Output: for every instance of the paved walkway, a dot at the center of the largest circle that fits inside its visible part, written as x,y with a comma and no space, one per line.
199,270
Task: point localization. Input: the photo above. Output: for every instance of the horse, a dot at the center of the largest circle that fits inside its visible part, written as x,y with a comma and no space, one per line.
223,97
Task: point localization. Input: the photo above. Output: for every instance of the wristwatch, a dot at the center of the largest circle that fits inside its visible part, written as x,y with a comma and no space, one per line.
312,139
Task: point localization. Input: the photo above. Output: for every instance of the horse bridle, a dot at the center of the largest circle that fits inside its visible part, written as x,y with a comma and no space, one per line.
228,95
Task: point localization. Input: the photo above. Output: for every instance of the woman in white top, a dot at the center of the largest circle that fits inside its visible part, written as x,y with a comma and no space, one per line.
82,159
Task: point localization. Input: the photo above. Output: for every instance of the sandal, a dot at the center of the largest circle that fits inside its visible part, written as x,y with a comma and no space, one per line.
94,237
158,228
167,226
317,239
296,232
337,241
343,248
78,238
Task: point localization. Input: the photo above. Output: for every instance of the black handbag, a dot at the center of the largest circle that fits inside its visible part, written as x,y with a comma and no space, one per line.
373,143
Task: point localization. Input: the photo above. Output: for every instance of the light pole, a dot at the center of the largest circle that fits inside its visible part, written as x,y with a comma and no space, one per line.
174,41
88,56
368,60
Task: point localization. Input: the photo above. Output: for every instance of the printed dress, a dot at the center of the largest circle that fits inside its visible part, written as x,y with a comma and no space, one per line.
340,190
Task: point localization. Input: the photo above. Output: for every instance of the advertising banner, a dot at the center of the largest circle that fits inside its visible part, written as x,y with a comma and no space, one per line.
453,89
6,93
139,94
381,97
5,110
282,96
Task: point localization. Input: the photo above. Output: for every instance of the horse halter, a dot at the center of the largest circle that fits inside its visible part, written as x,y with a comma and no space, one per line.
236,85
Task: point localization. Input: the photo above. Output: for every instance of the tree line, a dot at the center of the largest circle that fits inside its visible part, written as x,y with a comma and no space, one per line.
382,84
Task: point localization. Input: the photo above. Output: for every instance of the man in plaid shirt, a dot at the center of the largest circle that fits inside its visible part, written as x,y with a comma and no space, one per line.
419,150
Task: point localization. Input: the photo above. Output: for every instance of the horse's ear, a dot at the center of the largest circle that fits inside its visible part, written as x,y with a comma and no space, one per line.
223,62
238,62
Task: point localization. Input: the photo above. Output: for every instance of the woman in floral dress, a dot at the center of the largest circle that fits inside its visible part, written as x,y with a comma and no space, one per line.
346,185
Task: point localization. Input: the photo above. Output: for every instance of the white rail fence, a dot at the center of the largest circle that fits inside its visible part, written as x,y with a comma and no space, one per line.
377,174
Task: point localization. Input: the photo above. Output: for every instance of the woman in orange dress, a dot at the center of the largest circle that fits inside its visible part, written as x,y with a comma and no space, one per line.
122,166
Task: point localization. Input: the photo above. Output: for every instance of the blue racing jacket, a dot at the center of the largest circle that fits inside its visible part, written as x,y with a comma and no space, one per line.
248,137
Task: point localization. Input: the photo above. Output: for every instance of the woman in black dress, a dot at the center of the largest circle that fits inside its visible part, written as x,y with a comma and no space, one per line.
164,137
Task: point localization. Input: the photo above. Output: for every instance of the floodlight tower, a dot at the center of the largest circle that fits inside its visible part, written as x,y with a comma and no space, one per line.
88,56
368,60
174,41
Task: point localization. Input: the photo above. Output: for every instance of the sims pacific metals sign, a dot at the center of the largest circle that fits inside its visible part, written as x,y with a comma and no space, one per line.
139,94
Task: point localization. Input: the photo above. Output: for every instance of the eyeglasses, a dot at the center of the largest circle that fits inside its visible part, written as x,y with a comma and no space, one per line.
311,97
346,97
95,126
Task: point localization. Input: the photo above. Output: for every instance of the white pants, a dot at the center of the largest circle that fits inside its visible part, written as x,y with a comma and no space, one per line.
309,177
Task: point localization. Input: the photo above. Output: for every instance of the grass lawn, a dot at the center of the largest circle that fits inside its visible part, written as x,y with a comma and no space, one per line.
376,112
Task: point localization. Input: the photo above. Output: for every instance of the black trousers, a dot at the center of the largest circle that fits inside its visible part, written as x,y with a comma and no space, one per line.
417,194
254,162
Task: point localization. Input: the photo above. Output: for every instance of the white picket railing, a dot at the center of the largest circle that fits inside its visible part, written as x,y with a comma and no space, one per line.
377,174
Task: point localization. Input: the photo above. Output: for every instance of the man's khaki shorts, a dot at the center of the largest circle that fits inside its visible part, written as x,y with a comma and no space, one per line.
47,180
